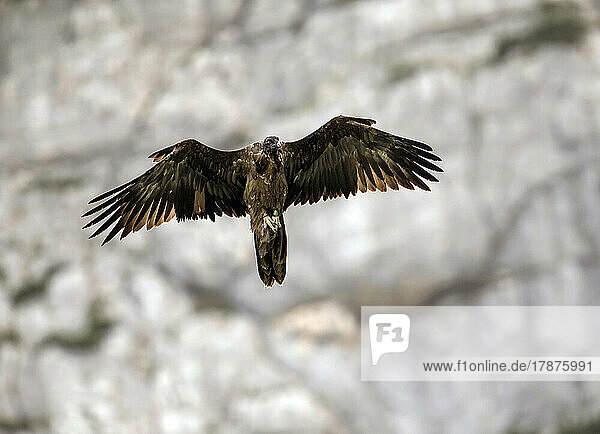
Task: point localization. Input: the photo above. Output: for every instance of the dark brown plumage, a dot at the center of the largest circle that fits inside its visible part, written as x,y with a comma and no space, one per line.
192,180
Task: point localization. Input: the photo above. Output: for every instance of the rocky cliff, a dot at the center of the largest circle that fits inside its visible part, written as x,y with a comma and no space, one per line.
171,330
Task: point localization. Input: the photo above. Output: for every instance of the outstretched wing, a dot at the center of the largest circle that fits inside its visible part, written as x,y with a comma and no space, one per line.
347,155
190,181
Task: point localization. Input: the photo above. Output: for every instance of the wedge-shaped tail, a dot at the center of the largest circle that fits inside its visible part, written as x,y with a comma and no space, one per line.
271,255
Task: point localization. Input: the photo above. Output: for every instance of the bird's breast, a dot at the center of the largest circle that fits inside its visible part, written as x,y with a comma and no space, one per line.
267,190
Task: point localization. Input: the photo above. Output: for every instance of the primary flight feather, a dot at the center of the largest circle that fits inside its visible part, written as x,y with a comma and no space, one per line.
192,180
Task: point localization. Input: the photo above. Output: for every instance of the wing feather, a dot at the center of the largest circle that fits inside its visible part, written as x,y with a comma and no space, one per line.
347,155
189,181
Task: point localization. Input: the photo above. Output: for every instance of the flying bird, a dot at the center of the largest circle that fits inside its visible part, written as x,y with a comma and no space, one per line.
193,181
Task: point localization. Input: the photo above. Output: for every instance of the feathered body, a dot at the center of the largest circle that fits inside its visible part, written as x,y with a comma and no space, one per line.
192,180
264,195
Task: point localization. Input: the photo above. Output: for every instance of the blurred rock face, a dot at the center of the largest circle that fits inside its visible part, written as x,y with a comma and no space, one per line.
171,330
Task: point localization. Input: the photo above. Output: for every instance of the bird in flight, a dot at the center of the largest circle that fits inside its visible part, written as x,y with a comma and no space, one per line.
193,181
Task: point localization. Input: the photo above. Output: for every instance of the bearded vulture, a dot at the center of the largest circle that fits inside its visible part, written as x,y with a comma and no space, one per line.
194,181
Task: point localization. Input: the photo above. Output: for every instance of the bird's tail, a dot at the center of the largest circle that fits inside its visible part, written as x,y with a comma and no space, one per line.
271,254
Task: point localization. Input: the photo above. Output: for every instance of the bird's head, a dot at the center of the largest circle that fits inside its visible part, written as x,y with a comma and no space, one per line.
271,146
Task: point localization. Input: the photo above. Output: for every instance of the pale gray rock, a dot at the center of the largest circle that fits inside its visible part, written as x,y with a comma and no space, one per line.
171,330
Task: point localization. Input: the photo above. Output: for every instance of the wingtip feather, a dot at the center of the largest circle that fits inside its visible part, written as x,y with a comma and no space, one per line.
87,213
